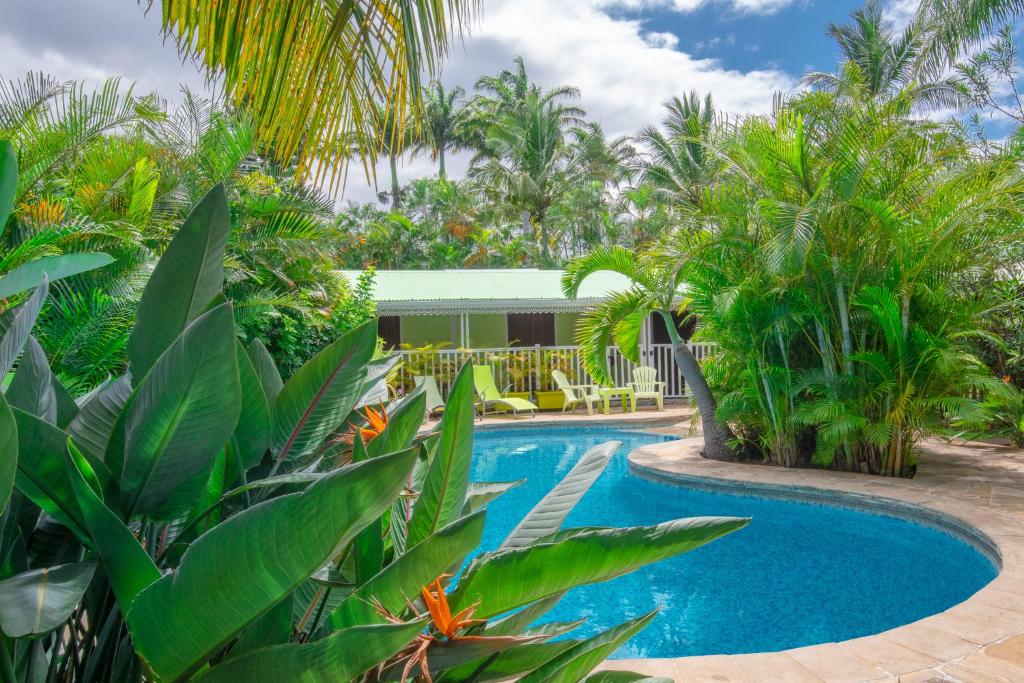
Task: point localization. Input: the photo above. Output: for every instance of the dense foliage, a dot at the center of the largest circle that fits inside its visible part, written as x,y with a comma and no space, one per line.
201,519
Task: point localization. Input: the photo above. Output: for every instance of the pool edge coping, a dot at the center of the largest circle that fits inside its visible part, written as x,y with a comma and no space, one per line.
925,646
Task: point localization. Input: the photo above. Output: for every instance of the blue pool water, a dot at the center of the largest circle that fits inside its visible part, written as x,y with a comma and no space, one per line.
798,574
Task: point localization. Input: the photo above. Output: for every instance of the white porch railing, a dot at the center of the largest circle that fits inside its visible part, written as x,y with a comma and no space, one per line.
528,368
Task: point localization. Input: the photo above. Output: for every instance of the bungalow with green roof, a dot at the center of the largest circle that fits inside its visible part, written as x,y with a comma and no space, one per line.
494,310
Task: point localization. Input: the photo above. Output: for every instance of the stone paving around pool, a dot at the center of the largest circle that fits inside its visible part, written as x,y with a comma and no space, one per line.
977,487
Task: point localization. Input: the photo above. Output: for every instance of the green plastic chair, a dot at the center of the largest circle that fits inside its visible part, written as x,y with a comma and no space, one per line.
434,401
488,396
645,384
576,394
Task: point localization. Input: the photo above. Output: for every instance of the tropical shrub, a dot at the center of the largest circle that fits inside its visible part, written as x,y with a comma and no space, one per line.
201,519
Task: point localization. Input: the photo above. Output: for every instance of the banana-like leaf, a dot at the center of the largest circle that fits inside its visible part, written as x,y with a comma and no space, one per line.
403,423
40,600
180,417
341,656
547,515
29,275
8,453
509,664
479,494
273,628
443,493
251,437
623,677
92,427
507,579
19,327
521,619
32,388
404,578
127,565
189,274
321,394
66,406
266,370
375,386
240,569
577,662
42,475
8,183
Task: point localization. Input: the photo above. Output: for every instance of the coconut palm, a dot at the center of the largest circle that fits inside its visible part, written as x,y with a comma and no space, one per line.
678,162
655,289
442,121
310,72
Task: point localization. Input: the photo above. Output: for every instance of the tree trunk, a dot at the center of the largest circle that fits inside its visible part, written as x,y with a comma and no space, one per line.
440,163
716,434
844,316
527,225
395,200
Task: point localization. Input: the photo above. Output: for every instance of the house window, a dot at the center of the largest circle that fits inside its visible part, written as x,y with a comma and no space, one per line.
389,329
659,333
531,329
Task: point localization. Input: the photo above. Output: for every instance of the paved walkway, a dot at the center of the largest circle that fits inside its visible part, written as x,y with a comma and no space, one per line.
976,487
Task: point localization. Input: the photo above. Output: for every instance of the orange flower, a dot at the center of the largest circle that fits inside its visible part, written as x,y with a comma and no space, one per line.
377,421
437,604
1006,380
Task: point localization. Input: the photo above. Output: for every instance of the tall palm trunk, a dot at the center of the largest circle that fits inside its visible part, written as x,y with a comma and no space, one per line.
716,434
440,163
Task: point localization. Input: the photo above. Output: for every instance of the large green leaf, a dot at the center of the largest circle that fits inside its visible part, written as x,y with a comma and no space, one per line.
8,454
623,677
405,577
251,437
521,619
19,327
32,388
8,183
341,656
29,275
40,600
321,394
507,579
266,370
509,664
273,628
127,565
189,274
244,566
42,475
180,418
92,427
547,515
443,494
403,423
67,408
581,659
479,494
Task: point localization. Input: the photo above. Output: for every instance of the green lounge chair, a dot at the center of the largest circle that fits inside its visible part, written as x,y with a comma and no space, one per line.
645,384
576,394
488,395
435,404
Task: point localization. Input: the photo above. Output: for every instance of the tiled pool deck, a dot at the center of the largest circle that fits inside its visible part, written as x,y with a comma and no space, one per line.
965,489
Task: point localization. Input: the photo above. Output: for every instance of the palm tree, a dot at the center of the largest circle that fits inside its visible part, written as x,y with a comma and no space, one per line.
442,119
679,163
880,63
655,289
394,134
310,71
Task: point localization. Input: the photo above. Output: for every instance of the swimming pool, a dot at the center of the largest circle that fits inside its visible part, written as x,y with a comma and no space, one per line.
798,574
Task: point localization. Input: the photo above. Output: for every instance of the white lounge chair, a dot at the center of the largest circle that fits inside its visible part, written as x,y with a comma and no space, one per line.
645,384
576,394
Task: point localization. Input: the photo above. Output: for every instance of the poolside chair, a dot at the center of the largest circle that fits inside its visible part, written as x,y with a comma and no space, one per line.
488,395
576,394
645,384
434,401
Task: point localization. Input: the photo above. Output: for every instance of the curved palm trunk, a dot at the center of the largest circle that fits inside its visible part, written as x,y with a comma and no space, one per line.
395,199
716,434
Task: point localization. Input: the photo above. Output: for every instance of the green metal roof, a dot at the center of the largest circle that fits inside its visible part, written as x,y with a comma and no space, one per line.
507,290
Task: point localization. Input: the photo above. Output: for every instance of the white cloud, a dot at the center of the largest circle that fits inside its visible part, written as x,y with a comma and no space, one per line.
742,6
624,68
899,13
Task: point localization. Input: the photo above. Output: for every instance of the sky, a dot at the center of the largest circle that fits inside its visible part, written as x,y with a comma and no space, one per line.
626,56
